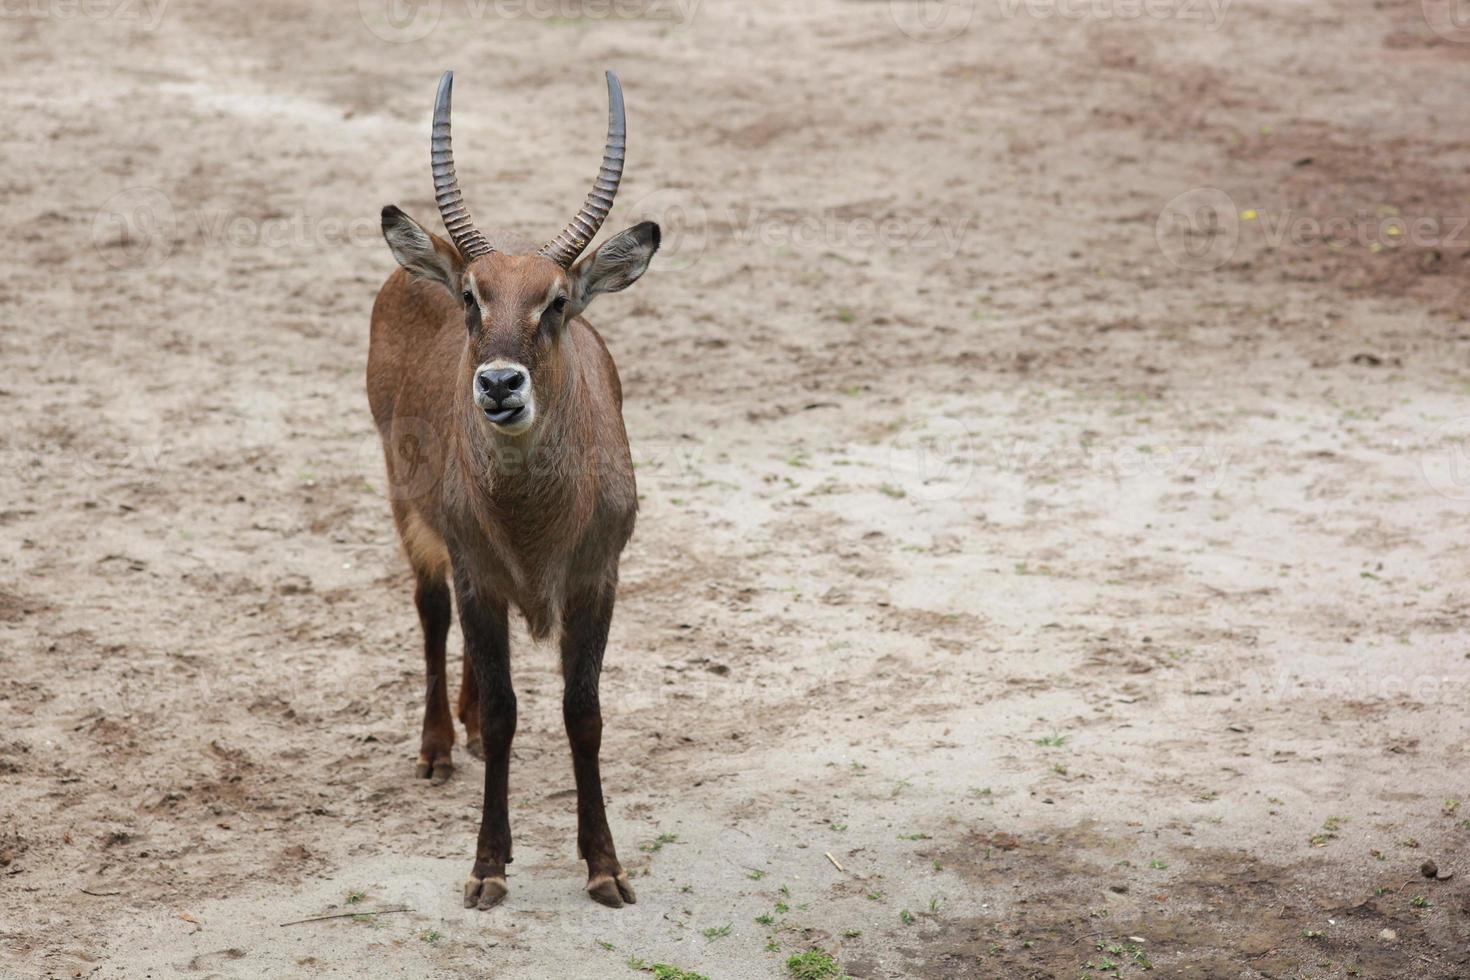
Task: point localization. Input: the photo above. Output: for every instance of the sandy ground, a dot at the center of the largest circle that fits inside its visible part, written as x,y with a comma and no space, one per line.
1078,566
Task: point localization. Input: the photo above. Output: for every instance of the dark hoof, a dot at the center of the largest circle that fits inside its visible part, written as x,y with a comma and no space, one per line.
437,769
612,891
475,747
485,893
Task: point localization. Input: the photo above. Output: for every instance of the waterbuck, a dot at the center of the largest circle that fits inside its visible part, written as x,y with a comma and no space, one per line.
509,473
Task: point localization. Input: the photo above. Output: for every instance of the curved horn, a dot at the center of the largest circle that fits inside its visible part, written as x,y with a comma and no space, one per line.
457,220
565,248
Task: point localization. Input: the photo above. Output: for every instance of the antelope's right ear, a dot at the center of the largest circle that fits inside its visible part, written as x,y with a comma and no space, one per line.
424,255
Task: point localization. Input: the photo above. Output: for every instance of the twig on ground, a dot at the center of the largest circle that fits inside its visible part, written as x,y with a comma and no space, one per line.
345,915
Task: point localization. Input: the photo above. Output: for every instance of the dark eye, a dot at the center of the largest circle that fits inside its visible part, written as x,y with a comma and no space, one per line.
471,312
559,304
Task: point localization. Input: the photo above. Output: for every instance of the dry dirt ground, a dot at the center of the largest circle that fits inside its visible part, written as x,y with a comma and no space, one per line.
1084,573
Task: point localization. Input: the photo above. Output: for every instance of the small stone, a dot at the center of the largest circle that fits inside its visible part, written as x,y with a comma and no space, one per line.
1388,935
1120,889
1429,869
6,856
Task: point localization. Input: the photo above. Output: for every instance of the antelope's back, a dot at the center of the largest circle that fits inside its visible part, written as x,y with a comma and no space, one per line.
414,349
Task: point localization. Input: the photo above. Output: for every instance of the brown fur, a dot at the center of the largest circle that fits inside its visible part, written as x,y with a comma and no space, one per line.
534,521
545,514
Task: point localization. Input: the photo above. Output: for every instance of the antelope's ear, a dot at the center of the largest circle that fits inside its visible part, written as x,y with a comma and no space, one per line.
424,255
617,264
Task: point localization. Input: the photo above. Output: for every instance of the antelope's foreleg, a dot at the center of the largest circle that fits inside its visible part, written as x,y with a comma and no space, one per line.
487,641
585,624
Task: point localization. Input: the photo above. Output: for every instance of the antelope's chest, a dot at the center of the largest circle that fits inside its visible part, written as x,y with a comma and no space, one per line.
523,557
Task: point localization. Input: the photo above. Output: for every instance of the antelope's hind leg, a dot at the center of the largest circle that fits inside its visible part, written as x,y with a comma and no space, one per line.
469,708
430,561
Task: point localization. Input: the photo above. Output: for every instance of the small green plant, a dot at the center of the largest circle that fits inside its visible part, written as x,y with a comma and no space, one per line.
755,874
906,917
355,898
765,919
839,827
920,835
852,933
657,844
1419,902
813,965
606,945
662,971
1052,741
1129,950
717,932
1157,864
1329,830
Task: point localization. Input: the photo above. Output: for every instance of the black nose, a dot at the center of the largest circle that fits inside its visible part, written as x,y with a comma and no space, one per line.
498,383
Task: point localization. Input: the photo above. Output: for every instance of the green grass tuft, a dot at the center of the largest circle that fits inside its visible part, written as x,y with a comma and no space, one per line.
813,965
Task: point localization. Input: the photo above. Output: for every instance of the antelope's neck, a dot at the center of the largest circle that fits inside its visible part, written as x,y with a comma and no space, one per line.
538,464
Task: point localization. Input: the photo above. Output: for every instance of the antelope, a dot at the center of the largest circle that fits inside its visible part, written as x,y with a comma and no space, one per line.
509,473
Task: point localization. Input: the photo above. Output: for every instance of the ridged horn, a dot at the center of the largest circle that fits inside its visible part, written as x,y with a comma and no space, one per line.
457,220
578,234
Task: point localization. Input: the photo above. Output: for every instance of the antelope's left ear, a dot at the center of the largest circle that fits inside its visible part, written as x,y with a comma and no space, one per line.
616,265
